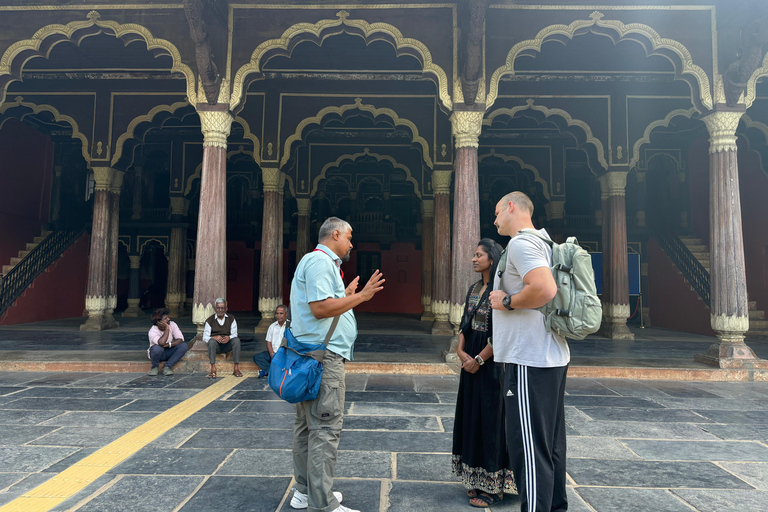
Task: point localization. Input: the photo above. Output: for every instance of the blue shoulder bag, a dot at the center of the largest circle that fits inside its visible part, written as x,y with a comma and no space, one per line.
296,368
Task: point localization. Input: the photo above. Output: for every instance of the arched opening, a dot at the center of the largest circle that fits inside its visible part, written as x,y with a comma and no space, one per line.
153,275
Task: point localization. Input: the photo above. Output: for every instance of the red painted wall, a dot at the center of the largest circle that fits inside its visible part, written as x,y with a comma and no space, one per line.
26,170
59,292
240,282
674,305
753,185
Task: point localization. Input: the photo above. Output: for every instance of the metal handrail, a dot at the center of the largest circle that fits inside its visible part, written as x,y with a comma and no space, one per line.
691,268
13,284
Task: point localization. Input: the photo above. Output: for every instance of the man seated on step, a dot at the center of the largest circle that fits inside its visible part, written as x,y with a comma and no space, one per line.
166,343
274,339
220,334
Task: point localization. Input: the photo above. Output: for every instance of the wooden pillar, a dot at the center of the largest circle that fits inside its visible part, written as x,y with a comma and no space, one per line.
211,251
134,290
101,261
269,267
729,315
280,237
441,278
177,259
304,205
427,257
615,268
641,198
190,287
137,191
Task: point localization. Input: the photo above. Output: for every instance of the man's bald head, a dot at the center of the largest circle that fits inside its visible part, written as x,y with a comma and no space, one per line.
521,201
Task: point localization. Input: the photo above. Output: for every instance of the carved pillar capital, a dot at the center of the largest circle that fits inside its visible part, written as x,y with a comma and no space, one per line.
441,182
304,204
107,178
722,125
613,184
135,260
215,125
179,206
272,179
555,210
466,127
427,208
116,185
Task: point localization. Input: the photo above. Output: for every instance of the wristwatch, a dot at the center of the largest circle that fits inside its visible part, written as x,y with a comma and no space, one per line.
505,302
479,360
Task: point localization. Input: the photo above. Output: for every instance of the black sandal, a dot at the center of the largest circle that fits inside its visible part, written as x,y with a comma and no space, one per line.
488,500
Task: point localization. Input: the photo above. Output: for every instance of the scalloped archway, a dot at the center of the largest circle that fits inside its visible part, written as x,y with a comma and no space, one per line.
589,139
751,93
524,166
323,29
653,43
42,42
646,138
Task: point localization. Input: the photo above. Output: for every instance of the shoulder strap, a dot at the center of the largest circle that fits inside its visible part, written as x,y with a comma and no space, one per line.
330,331
537,235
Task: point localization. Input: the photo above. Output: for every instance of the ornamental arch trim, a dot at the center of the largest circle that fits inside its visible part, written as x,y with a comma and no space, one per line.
318,32
646,138
35,109
44,40
146,118
617,31
357,105
590,139
751,93
524,166
142,242
353,157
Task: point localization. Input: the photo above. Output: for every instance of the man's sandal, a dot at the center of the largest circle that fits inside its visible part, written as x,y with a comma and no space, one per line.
211,375
237,373
486,500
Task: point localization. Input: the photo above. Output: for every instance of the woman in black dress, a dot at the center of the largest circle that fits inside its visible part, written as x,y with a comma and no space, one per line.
479,444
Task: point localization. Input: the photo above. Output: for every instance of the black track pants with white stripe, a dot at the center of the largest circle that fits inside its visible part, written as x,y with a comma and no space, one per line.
536,435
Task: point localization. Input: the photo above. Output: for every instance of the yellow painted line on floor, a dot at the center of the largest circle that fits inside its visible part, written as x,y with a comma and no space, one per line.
75,478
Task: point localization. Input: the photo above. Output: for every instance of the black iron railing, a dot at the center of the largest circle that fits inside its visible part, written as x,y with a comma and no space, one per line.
13,284
691,268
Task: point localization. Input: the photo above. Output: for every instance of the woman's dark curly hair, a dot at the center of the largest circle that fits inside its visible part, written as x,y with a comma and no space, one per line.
158,315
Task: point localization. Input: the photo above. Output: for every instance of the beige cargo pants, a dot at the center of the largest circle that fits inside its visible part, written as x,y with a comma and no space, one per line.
316,436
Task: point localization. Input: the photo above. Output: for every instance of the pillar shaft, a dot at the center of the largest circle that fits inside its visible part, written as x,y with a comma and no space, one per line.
134,290
302,235
615,267
137,191
114,231
271,245
427,257
729,315
441,278
211,251
177,259
56,194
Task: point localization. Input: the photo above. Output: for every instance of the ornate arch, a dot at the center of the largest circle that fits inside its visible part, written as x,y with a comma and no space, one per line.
43,41
653,43
323,29
526,167
590,139
646,138
18,101
146,118
143,241
759,148
353,157
249,135
751,92
195,175
357,105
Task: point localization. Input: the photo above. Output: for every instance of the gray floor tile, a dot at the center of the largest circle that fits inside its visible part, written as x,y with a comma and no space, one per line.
739,417
246,494
254,395
157,461
7,390
252,383
397,441
420,423
754,473
606,499
81,436
699,450
66,392
649,415
18,436
447,398
628,387
245,462
448,384
722,404
388,382
437,497
222,406
448,423
718,501
101,419
240,420
28,483
355,381
680,389
612,402
736,391
598,448
173,438
241,438
149,405
8,479
68,461
364,464
434,467
575,502
397,397
67,504
61,379
107,380
360,495
67,404
587,387
20,378
196,381
624,473
391,409
145,493
158,394
29,459
264,406
645,430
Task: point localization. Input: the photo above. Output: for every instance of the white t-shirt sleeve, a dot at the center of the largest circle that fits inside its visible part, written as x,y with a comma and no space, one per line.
527,254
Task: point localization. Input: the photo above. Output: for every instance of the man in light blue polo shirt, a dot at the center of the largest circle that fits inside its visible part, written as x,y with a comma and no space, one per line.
318,295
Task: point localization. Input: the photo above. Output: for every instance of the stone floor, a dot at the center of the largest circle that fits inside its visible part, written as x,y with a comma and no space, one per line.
632,445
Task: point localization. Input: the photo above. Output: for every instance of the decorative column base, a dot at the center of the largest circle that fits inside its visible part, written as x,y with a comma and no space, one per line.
267,308
441,325
175,304
427,315
456,312
99,315
133,309
200,313
730,351
614,324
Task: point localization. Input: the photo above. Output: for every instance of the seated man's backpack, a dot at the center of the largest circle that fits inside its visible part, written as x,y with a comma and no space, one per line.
575,312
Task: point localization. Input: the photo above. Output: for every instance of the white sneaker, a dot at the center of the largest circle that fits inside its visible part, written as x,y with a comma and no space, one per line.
344,509
299,501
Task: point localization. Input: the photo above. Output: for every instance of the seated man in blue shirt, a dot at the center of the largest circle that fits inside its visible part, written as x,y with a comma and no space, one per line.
317,296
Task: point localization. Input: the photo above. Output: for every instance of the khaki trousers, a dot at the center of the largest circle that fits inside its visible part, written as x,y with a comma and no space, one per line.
316,436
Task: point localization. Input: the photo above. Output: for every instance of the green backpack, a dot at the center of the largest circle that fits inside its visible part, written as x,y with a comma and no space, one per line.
575,312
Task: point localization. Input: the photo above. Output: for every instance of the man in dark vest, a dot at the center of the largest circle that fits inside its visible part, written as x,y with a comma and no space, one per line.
220,334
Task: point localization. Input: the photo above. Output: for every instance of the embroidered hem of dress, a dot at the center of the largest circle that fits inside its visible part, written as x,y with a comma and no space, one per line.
479,478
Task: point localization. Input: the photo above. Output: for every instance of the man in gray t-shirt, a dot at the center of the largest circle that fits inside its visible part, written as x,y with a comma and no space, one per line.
535,361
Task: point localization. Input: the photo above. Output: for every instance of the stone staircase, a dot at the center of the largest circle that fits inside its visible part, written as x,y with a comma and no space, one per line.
15,261
758,325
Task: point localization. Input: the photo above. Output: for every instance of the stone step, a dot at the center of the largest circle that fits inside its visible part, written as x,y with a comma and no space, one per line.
6,269
756,334
38,239
15,261
697,248
691,240
758,325
756,314
45,232
31,246
752,305
23,254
